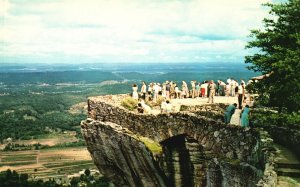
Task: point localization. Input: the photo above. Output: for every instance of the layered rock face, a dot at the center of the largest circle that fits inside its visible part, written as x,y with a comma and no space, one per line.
183,161
120,156
195,149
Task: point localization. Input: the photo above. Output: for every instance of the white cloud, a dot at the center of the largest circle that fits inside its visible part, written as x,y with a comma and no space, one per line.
5,5
136,30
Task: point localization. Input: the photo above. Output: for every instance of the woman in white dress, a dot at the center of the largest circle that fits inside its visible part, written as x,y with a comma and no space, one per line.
135,94
185,89
177,91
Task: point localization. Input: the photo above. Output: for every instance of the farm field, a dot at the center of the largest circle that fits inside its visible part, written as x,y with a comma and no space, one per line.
47,163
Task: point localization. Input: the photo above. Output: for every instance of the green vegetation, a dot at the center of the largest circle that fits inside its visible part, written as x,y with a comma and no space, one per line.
68,144
269,117
38,146
87,179
278,57
233,162
47,111
278,46
13,179
19,147
153,146
30,109
25,116
129,103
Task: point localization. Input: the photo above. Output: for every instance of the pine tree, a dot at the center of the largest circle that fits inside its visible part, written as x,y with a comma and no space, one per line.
278,54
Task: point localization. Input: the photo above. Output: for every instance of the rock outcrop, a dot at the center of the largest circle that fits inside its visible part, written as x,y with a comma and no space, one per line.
196,148
120,155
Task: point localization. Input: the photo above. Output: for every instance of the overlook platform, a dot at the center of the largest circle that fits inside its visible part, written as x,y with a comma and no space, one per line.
177,103
235,120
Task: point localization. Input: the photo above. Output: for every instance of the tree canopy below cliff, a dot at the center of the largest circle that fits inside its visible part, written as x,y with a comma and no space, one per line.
277,49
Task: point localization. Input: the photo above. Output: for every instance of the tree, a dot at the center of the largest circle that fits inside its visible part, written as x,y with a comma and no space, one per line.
278,54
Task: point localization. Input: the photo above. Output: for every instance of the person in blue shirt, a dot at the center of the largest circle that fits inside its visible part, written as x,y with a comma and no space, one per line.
245,116
229,112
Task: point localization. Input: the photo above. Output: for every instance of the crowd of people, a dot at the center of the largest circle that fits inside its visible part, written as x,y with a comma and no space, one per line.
207,89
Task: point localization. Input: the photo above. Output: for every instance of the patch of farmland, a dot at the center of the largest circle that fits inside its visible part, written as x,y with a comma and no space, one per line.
47,163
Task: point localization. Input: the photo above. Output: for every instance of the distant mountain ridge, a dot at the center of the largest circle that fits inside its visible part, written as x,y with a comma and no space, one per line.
122,67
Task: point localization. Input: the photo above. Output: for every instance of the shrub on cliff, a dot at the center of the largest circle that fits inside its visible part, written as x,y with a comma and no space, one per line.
263,118
155,104
129,103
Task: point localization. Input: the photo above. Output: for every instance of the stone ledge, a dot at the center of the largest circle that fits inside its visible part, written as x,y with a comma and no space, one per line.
231,142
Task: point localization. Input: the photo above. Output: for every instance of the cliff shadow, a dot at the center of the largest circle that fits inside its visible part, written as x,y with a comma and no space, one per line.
182,163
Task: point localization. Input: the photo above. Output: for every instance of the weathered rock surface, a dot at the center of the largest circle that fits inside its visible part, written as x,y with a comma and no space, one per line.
197,150
120,156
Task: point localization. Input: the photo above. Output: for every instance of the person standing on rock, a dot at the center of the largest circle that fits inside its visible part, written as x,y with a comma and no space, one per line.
203,89
177,91
208,89
193,83
241,94
163,90
135,94
144,90
150,92
156,89
172,90
212,91
198,93
229,112
168,89
232,88
222,88
185,89
227,90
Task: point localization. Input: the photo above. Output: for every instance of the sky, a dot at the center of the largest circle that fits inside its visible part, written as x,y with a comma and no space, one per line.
109,31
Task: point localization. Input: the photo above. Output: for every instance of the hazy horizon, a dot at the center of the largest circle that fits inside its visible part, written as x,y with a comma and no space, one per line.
125,67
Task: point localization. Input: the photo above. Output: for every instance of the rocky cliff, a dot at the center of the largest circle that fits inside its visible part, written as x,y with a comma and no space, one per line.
120,155
189,148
